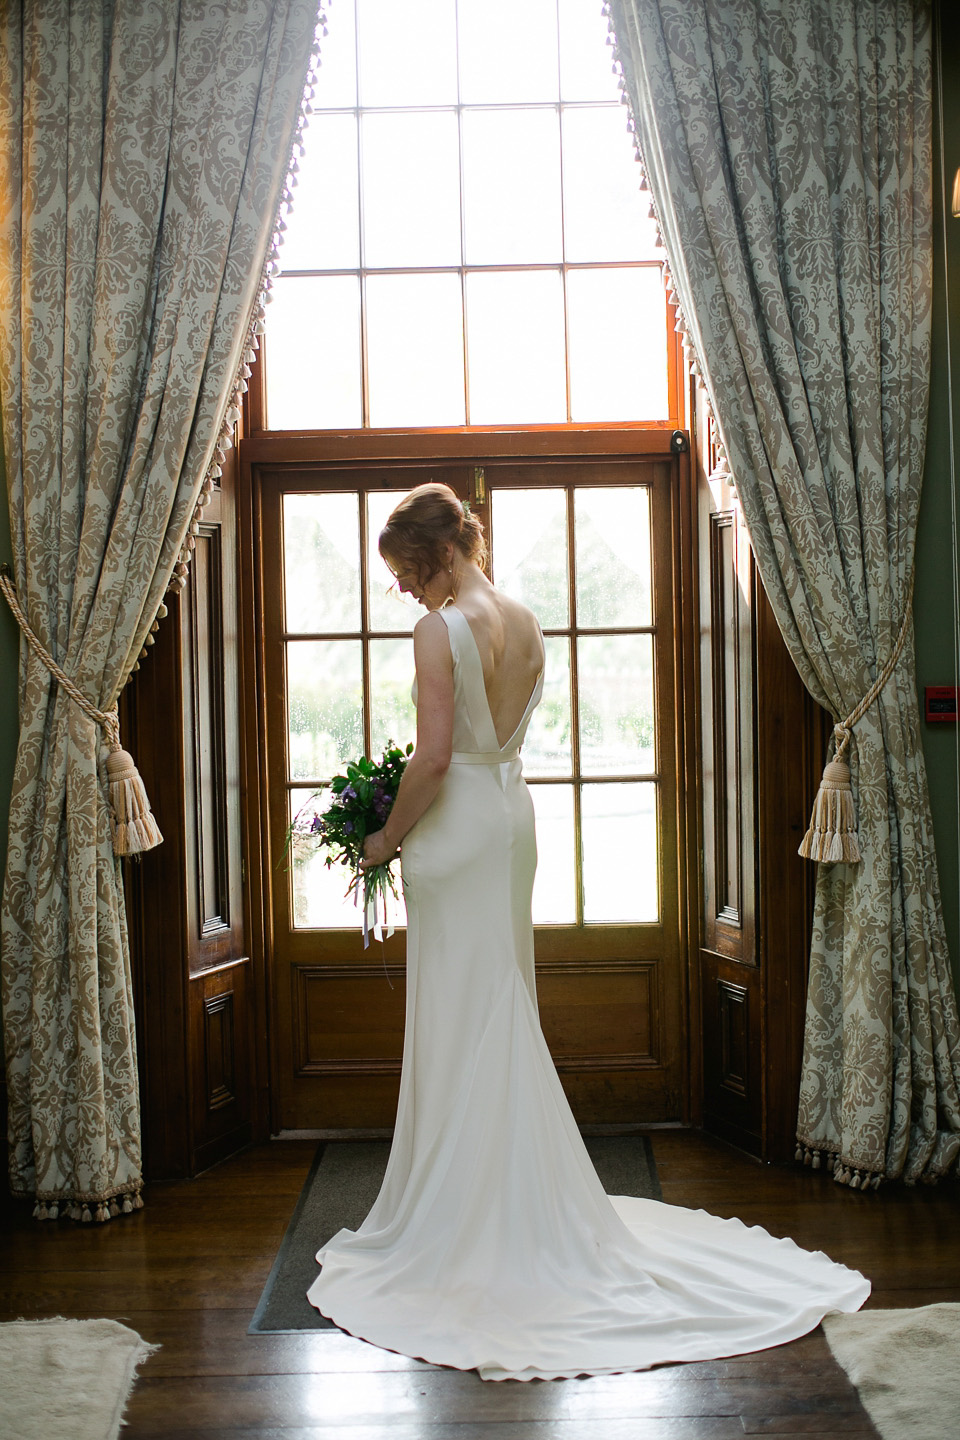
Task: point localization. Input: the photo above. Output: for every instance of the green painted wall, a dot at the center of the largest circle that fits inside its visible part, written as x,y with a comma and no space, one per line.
9,651
937,559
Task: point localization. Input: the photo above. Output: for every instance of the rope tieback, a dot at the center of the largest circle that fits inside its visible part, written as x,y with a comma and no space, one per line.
832,832
132,825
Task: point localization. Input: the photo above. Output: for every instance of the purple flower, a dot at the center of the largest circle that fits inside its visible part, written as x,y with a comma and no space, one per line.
348,827
316,825
348,793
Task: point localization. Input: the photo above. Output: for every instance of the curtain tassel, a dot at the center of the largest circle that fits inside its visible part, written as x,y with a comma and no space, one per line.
132,823
832,832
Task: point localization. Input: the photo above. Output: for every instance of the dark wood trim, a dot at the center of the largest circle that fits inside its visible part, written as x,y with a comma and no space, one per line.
256,841
690,776
419,447
155,895
792,745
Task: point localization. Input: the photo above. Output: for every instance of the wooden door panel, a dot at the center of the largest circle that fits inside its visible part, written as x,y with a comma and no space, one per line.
610,995
730,981
762,753
195,1001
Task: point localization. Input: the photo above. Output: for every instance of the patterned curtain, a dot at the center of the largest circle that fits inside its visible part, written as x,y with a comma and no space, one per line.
788,149
143,150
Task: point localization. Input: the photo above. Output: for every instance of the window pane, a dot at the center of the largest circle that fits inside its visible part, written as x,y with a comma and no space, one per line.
313,354
324,707
555,888
604,211
508,50
411,190
408,52
515,347
612,543
415,350
321,561
586,58
615,692
388,607
619,853
530,551
511,186
618,365
337,82
392,713
547,749
323,227
319,898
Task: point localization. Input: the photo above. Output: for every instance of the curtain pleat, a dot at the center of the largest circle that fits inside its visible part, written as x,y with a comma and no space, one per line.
788,149
143,150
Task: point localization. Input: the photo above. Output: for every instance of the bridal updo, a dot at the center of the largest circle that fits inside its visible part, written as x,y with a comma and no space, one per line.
421,525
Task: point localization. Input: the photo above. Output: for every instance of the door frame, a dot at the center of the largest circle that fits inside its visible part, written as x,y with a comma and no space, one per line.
294,452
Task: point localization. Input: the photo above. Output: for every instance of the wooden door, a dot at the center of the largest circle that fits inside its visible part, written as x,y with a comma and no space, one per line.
195,994
602,769
762,746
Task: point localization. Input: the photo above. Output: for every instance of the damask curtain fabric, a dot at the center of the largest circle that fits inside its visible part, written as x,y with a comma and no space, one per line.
143,148
788,149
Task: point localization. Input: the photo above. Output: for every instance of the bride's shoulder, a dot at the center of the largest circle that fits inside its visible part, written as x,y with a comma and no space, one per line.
519,618
515,611
430,633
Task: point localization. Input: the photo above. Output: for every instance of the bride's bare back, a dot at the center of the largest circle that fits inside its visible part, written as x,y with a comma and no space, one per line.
511,651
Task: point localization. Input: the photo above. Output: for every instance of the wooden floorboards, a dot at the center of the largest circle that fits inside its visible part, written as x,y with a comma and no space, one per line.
188,1270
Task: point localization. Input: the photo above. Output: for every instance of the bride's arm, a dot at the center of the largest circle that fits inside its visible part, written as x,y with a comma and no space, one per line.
431,759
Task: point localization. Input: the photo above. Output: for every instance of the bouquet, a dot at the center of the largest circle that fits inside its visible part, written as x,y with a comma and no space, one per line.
360,802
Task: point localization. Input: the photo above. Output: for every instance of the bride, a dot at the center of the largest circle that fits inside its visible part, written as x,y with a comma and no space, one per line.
492,1244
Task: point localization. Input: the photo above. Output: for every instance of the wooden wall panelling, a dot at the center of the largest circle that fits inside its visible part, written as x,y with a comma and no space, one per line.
792,736
220,996
686,624
729,980
254,835
193,997
763,741
150,711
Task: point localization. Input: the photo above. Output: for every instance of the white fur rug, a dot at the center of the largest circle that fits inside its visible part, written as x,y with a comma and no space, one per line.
66,1377
906,1367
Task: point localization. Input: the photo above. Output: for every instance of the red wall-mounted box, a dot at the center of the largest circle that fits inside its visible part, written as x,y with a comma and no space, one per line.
940,704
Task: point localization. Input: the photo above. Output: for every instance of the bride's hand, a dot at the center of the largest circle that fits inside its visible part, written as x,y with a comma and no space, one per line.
376,850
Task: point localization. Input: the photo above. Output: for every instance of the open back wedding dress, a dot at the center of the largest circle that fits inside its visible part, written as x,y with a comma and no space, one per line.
492,1244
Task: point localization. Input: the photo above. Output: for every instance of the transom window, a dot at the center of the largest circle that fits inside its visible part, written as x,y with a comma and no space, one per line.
468,245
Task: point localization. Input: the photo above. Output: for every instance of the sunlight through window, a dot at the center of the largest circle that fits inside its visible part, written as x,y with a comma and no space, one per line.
468,243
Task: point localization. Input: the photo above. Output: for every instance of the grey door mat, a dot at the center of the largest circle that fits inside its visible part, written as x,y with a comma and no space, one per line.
343,1183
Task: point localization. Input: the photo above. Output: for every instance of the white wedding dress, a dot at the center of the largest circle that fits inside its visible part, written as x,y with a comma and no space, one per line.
492,1244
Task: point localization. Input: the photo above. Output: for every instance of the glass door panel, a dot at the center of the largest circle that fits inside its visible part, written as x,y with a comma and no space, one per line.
324,706
388,608
619,853
614,577
615,678
548,748
555,888
584,551
321,563
530,551
318,893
